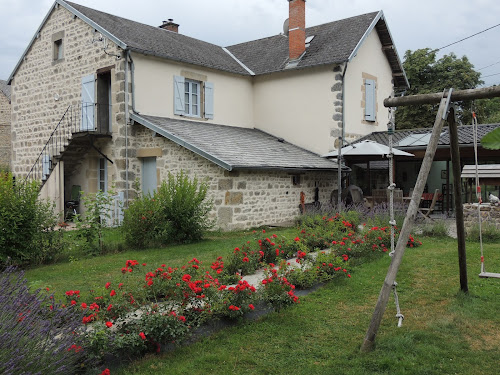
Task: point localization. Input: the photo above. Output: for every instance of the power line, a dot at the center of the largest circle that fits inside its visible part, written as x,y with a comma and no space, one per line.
470,36
487,66
491,75
461,40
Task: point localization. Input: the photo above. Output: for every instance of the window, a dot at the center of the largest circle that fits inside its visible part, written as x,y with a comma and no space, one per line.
370,102
58,50
193,98
102,175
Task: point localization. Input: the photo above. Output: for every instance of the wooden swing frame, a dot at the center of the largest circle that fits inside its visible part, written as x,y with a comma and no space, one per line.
445,113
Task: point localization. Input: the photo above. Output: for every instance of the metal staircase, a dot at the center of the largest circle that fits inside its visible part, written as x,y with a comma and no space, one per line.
71,140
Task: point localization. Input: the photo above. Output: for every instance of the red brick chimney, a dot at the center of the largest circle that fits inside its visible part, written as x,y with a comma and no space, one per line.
296,28
170,26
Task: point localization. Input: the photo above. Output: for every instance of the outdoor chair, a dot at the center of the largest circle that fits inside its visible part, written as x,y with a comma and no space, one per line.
426,211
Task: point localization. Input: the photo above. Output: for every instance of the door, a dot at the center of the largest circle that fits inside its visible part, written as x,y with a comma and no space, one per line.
149,180
88,101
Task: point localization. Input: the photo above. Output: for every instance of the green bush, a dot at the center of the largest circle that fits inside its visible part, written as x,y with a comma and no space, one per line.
177,212
140,222
435,229
27,225
184,206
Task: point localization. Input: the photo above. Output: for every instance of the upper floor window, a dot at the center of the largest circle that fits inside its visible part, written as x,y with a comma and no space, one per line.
193,98
58,46
58,49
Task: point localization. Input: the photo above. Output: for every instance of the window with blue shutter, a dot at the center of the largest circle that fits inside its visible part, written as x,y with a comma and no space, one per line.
370,105
187,98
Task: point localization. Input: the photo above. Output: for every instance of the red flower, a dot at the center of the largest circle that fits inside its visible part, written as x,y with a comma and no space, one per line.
73,302
245,259
108,284
252,307
84,305
296,239
109,324
113,293
182,318
109,307
142,335
105,372
186,278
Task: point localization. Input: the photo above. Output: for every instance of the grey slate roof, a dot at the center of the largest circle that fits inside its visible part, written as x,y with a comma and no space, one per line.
162,43
235,148
465,135
333,43
5,88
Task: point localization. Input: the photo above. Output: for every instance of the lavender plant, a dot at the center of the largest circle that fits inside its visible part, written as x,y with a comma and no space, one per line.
37,336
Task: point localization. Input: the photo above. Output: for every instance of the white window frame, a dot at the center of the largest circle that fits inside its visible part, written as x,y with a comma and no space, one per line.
189,94
102,165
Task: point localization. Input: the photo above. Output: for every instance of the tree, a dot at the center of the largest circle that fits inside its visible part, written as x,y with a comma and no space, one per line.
428,75
488,110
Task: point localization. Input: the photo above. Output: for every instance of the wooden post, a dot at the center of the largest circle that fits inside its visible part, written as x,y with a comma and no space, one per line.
484,93
457,192
406,229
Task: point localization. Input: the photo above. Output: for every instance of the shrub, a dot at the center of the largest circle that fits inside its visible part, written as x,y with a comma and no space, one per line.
183,205
97,217
277,291
177,212
435,229
36,334
140,222
27,225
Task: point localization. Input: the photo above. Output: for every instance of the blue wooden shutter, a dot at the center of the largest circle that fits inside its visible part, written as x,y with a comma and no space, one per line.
88,101
209,100
178,95
370,107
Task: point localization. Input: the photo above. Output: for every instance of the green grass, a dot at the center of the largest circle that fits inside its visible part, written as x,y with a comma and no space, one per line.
84,273
444,331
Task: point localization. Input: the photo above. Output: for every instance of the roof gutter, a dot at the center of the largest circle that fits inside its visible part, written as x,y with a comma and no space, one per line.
181,142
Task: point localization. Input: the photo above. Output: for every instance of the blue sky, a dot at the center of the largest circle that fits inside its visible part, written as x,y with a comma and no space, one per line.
413,24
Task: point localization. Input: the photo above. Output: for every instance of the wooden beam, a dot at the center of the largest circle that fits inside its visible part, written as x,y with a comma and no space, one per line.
397,258
483,93
457,194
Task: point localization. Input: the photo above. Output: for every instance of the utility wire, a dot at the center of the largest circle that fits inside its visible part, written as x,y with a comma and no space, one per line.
491,75
461,40
487,66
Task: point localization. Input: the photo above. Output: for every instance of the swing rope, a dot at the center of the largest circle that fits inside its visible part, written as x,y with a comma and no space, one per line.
478,188
392,221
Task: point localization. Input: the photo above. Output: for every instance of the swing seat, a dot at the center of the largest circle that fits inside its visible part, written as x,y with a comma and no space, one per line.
487,275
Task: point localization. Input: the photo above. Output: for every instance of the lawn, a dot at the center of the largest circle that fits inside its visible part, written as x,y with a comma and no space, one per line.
444,332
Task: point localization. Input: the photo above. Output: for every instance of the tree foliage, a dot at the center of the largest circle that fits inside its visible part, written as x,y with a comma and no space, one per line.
428,75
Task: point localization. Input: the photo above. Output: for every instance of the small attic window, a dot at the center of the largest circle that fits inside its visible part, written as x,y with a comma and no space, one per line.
58,50
308,40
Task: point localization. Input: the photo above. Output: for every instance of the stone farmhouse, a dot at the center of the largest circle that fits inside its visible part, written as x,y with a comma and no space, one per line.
5,113
101,101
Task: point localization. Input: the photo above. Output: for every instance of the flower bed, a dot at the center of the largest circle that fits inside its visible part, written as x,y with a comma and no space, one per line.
148,307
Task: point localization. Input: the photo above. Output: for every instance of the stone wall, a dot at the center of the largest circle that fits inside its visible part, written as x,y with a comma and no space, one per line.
243,198
44,87
489,213
5,123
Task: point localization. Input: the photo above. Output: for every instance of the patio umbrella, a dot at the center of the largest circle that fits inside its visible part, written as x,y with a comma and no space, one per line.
367,148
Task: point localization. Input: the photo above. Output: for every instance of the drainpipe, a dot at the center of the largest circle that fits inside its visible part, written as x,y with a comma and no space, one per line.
341,141
127,119
132,78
